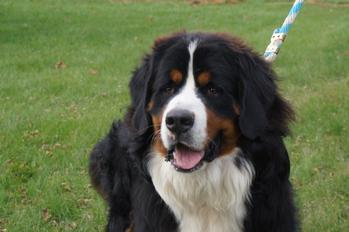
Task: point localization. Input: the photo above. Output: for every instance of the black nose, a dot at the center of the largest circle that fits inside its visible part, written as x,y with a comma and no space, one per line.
179,121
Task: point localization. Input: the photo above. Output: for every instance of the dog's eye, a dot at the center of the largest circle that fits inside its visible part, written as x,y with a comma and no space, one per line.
169,90
212,92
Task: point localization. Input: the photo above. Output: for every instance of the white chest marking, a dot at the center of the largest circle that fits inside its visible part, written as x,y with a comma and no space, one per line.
210,199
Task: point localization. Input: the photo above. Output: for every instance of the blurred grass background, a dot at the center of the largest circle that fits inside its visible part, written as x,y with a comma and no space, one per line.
64,70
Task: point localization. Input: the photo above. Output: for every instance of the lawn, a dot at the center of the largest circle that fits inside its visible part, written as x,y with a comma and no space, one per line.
64,69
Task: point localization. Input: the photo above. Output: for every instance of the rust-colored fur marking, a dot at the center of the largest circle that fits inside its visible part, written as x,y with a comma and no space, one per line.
236,109
176,76
150,106
204,78
130,229
216,124
157,143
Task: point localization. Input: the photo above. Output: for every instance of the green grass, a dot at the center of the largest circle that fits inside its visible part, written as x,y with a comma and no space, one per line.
51,115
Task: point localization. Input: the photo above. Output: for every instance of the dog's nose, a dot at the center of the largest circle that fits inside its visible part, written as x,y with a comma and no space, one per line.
179,121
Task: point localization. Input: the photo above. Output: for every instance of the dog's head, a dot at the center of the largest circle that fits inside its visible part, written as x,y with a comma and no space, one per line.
201,94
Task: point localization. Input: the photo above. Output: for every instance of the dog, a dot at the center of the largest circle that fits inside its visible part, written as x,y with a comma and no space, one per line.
201,145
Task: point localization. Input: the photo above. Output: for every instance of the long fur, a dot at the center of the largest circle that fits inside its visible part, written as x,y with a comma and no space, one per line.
208,200
251,183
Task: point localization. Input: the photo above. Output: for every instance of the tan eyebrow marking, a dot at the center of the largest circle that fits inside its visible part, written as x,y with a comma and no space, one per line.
204,78
176,76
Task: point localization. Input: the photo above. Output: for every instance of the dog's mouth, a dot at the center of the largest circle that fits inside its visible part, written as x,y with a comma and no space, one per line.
185,159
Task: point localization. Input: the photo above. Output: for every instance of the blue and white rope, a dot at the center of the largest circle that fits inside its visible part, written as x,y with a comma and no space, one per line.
279,34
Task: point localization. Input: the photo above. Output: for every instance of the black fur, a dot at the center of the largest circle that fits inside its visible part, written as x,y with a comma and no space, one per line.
118,162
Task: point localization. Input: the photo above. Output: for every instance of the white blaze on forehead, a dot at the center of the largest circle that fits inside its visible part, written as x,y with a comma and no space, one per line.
190,79
187,99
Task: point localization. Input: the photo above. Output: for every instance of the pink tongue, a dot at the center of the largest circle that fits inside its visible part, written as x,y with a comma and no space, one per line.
186,158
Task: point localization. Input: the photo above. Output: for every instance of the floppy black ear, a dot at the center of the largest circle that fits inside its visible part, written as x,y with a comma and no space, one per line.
253,119
142,81
258,94
140,88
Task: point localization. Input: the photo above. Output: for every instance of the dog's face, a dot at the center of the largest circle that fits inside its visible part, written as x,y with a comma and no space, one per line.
201,95
192,108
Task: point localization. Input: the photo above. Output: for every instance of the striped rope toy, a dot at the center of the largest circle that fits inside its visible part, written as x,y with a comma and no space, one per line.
279,34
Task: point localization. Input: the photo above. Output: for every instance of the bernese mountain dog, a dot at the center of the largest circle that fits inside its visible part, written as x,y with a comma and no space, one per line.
201,146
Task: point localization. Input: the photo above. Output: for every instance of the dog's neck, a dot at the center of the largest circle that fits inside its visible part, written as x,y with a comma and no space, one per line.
210,199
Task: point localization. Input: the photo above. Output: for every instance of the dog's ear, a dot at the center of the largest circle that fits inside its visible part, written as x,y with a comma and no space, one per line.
143,78
253,119
140,88
254,81
257,94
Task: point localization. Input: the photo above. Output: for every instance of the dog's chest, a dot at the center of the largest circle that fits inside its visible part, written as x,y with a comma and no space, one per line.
208,200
